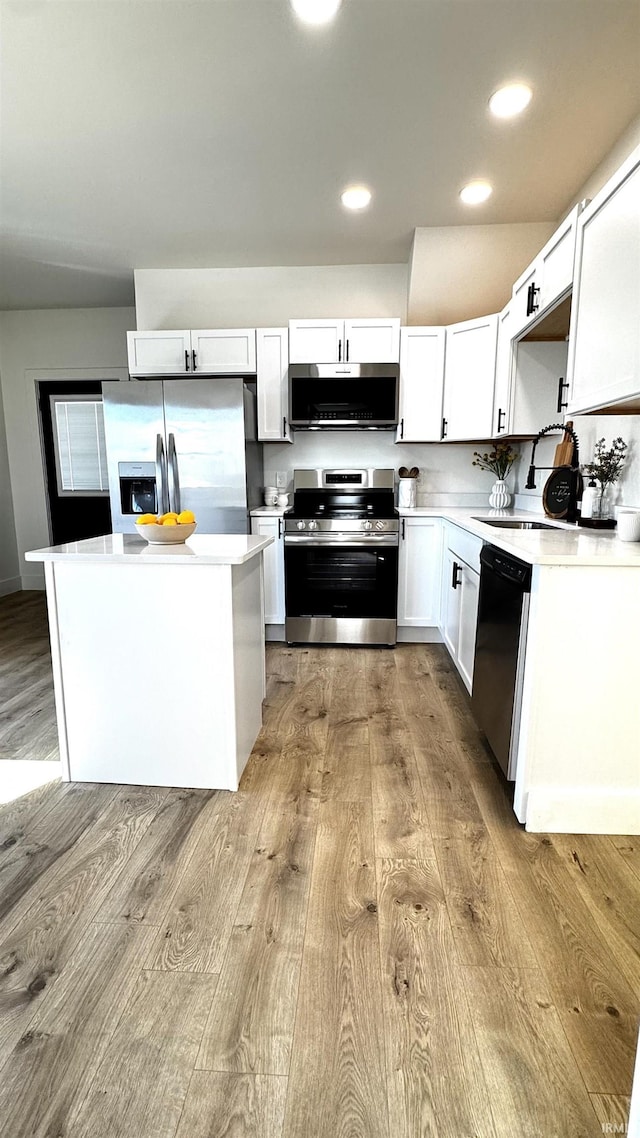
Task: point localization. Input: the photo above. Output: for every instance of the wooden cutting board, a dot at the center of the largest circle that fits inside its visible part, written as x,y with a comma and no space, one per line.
564,449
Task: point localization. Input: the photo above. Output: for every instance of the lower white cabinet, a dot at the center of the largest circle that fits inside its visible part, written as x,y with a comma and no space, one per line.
419,572
460,590
273,561
272,346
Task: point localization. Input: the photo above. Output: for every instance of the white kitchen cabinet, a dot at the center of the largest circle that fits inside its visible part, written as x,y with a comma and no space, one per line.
159,353
504,372
469,378
229,351
344,341
459,600
273,567
272,363
421,384
604,335
547,279
528,378
419,572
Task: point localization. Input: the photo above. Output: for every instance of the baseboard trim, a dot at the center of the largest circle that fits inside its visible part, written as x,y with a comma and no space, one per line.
419,636
274,632
32,581
10,585
588,810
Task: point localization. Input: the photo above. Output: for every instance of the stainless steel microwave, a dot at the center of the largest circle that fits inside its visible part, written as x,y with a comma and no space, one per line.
343,397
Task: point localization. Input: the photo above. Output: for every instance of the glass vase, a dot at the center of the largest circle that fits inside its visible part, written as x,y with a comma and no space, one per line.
499,497
603,509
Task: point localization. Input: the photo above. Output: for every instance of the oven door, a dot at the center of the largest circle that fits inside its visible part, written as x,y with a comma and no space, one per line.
341,591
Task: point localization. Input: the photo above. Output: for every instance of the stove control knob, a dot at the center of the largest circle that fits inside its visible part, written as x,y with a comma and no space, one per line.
300,525
367,525
313,525
380,525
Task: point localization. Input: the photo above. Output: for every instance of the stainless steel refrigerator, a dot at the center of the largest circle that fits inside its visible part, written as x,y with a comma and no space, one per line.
183,444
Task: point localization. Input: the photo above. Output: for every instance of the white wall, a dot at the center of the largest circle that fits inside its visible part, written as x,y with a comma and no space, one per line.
266,297
446,474
463,271
87,343
610,163
9,577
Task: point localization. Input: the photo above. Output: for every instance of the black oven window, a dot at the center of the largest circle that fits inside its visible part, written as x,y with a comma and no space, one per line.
342,582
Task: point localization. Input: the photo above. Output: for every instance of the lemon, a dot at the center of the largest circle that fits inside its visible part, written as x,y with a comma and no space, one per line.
146,520
186,517
168,520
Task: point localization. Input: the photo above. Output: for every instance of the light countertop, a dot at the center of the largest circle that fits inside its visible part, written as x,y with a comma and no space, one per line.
563,545
118,548
269,511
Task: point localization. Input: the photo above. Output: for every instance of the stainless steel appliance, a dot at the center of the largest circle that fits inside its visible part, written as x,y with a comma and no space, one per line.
341,558
178,444
503,612
343,397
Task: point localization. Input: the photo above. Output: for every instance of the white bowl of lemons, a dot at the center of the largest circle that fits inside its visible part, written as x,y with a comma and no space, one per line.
167,529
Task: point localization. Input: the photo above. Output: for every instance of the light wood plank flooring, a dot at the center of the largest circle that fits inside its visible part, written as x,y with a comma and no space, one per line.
361,943
27,715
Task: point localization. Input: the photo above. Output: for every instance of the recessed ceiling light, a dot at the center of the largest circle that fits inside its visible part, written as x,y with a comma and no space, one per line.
510,100
315,11
476,192
356,197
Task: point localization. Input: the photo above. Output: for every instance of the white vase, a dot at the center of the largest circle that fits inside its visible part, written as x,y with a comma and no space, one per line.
499,497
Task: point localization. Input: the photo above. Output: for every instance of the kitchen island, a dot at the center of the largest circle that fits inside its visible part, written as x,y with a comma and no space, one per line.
158,657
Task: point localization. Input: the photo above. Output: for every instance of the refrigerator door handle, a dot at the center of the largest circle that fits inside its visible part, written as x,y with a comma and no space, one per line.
174,480
161,484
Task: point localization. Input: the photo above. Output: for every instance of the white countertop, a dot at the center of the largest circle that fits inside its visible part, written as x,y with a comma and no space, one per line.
563,545
118,548
269,511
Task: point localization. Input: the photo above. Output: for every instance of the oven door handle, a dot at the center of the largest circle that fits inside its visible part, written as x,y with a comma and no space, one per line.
372,540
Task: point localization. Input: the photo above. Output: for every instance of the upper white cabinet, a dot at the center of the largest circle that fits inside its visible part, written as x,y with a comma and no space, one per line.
421,384
159,353
548,278
272,355
419,572
604,338
530,381
344,341
231,351
504,371
469,377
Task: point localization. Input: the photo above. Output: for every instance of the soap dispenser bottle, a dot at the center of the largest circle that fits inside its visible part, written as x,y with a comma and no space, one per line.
588,498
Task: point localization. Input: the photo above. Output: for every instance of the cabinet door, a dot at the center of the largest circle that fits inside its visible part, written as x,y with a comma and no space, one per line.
468,618
469,377
504,372
450,602
604,337
419,572
272,357
231,351
421,384
556,262
521,313
273,561
372,341
316,341
159,353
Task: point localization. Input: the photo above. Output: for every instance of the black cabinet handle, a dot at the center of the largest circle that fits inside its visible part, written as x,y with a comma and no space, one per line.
186,360
347,355
279,528
561,386
445,424
501,415
193,357
339,351
402,535
402,428
284,426
454,576
532,304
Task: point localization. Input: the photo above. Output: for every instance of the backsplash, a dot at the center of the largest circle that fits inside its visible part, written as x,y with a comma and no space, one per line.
447,476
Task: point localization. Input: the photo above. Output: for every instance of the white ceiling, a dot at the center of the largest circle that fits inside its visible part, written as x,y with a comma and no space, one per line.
183,133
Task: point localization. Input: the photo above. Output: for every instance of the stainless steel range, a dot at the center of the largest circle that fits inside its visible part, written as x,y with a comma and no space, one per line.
341,558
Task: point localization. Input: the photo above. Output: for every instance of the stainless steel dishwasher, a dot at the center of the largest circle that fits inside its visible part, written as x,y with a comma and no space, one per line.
503,611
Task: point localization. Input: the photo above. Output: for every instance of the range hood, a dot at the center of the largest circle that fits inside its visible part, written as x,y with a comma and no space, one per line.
343,397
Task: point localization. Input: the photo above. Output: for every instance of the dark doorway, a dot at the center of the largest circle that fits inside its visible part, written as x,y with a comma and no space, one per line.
75,513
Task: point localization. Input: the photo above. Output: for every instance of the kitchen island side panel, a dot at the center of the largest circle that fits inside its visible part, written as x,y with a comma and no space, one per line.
248,656
146,670
579,746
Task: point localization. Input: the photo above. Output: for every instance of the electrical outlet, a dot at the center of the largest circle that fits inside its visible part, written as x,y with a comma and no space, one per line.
281,479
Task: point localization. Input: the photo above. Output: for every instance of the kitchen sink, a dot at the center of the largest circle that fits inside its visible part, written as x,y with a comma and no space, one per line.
513,523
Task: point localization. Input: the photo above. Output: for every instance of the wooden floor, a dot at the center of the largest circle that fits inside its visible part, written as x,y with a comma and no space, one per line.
27,715
361,943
